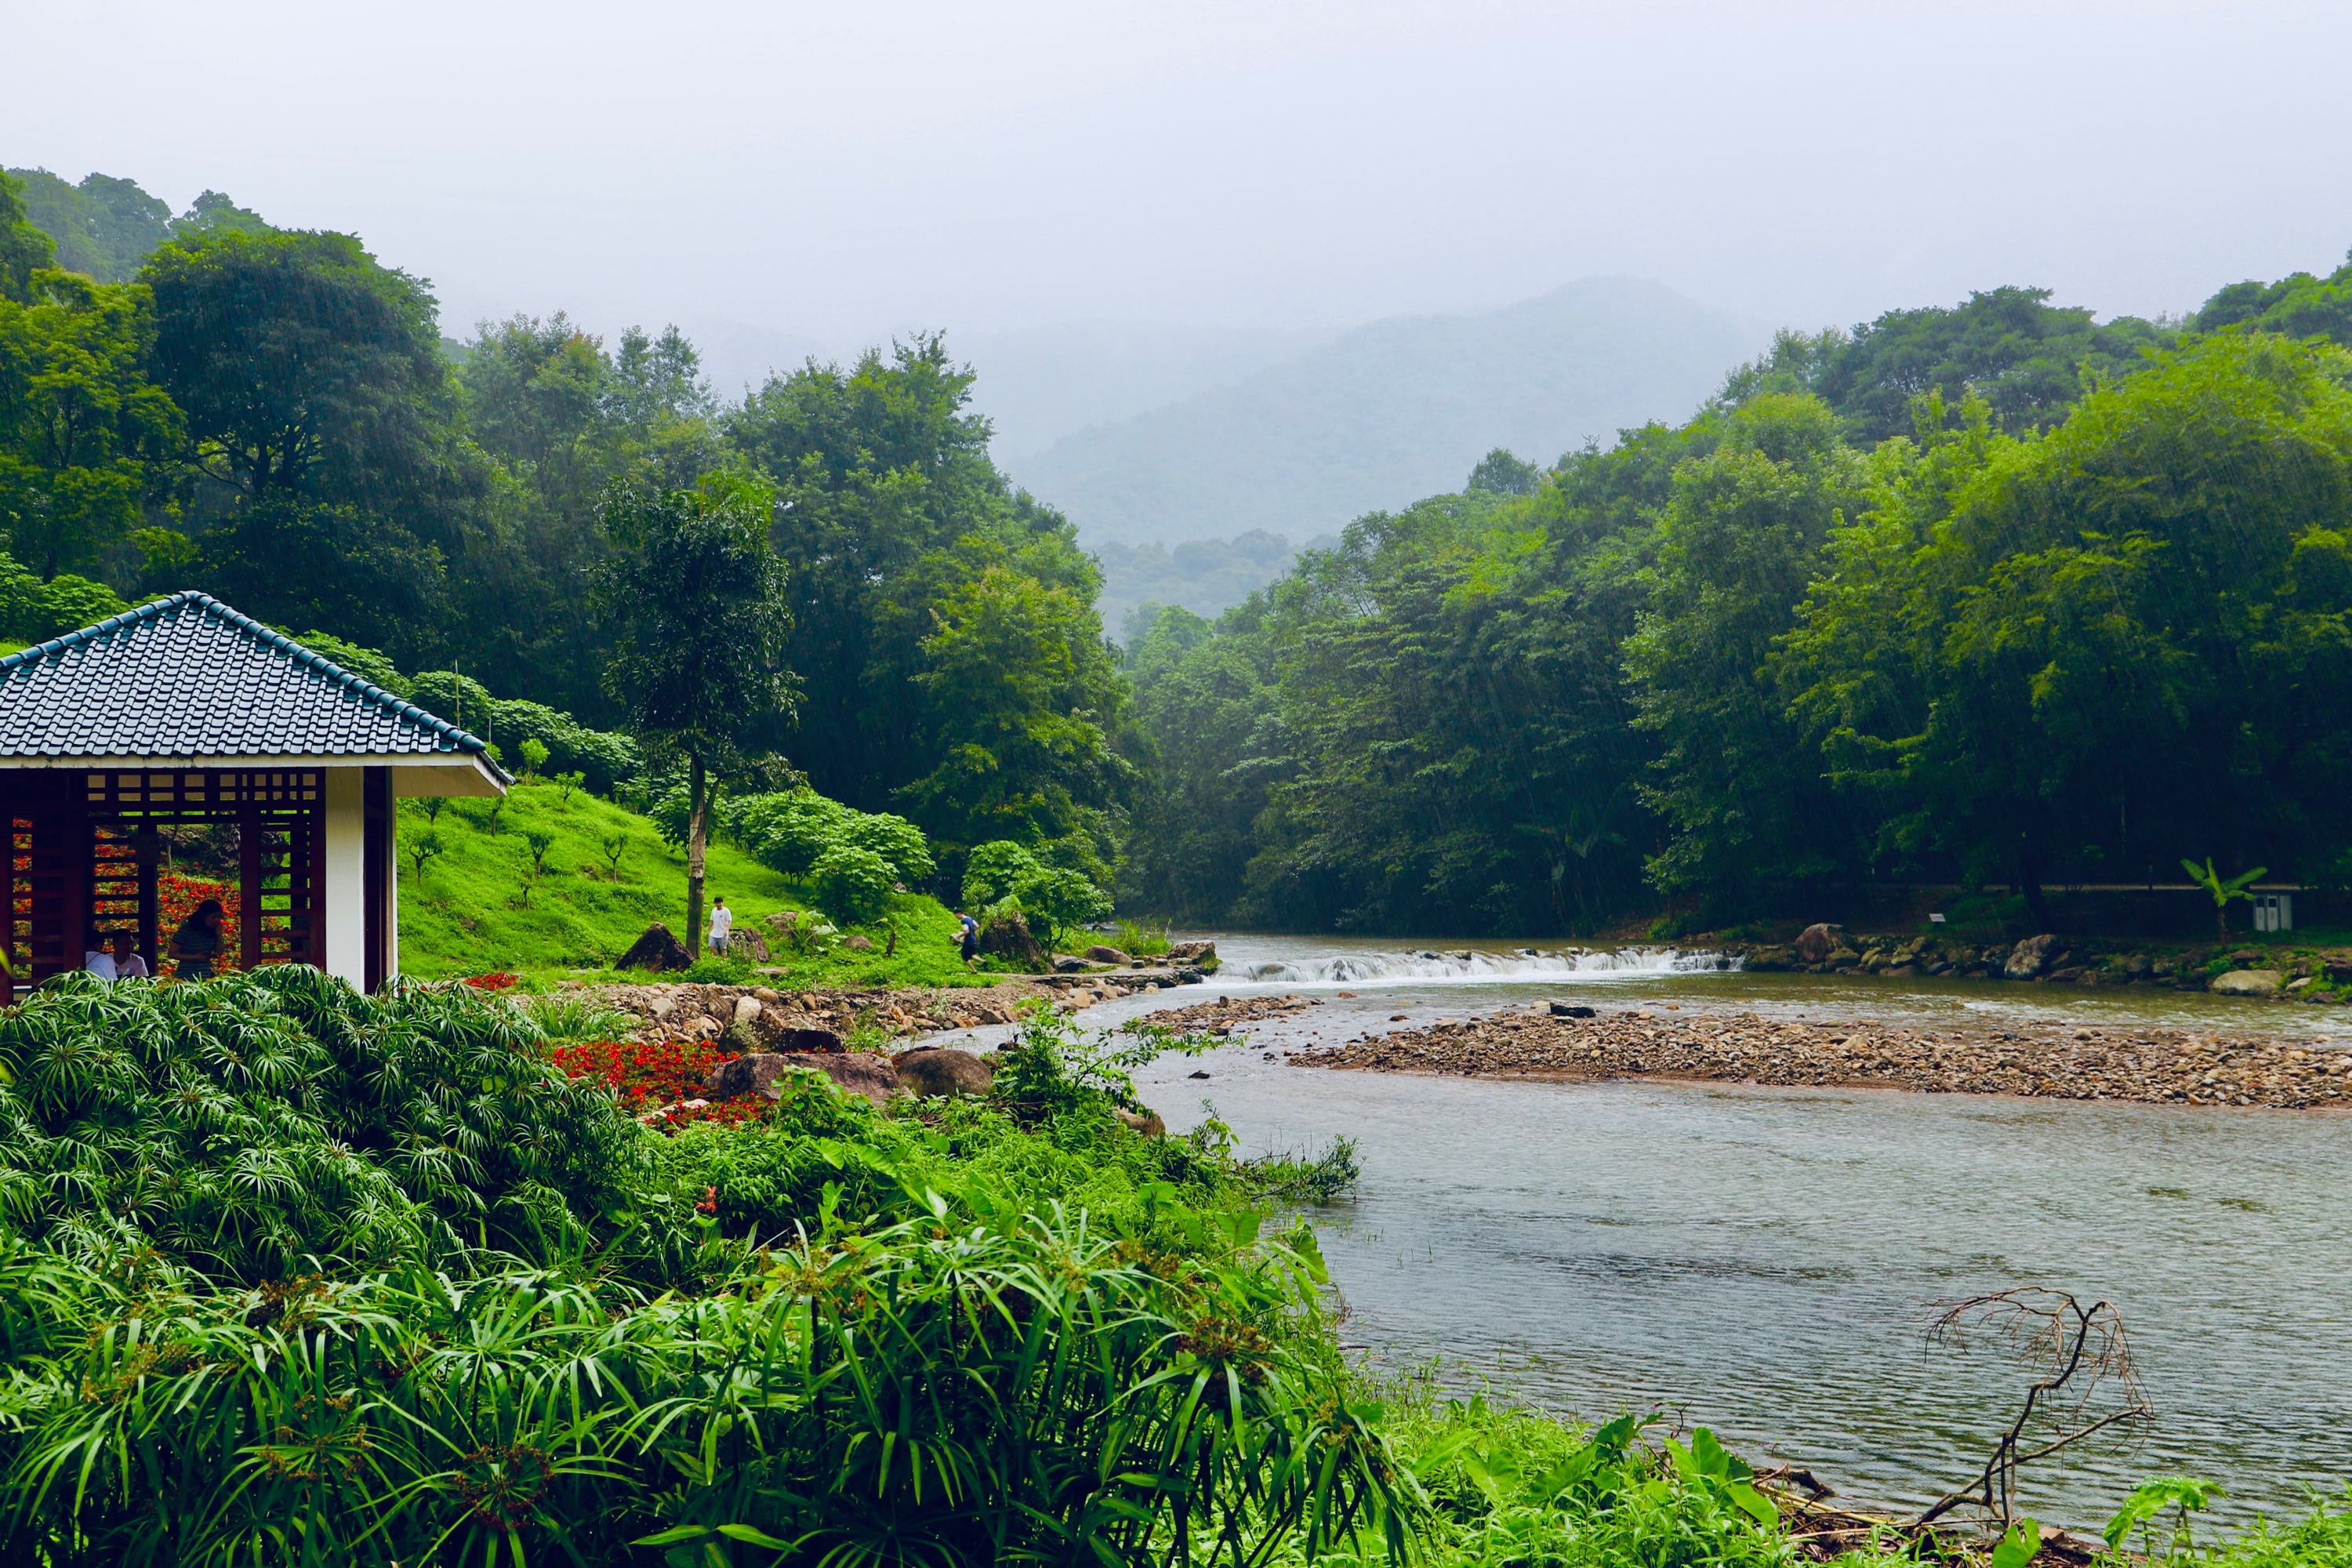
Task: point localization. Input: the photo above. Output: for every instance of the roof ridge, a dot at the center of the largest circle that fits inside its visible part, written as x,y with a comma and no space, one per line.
254,631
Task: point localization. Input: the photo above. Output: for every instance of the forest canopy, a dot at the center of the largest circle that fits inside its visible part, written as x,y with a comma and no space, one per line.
1996,591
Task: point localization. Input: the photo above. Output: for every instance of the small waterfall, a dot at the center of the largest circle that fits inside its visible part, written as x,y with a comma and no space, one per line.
1464,965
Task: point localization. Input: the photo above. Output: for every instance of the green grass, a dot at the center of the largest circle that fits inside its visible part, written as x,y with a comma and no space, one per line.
475,908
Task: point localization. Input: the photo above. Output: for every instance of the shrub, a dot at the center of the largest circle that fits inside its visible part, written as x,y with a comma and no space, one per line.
991,871
1059,902
852,885
533,753
899,841
248,1124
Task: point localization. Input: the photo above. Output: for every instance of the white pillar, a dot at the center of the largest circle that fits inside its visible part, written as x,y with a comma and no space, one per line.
343,900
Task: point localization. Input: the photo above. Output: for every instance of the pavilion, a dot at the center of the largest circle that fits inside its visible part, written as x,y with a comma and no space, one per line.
182,710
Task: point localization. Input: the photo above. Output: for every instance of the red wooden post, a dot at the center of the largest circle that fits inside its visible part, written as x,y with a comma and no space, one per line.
249,883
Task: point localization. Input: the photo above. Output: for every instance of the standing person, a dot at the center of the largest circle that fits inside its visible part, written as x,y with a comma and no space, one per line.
128,963
968,937
95,958
722,921
197,943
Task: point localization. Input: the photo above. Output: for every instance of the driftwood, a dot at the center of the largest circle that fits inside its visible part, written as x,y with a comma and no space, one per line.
2087,1384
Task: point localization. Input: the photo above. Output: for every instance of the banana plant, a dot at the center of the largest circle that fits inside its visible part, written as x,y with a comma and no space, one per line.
2223,891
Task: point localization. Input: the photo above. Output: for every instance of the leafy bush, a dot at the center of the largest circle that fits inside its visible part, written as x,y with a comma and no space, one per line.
606,759
792,829
33,611
852,885
1059,902
991,871
899,841
250,1124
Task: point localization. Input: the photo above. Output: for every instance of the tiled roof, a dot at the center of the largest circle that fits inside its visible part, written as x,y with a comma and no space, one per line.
188,677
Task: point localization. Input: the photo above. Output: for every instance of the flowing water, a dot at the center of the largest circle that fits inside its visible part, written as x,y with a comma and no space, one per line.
1766,1262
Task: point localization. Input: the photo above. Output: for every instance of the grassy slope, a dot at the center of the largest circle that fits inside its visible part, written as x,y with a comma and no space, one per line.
465,915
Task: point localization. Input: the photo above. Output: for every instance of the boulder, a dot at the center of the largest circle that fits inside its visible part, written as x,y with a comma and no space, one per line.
2033,957
748,945
809,1038
938,1072
781,923
1098,953
1066,964
1817,942
2249,982
1198,955
765,1072
1570,1010
658,948
1772,960
747,1009
1007,936
1146,1122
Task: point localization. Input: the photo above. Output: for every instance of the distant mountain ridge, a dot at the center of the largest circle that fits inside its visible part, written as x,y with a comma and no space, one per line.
1390,411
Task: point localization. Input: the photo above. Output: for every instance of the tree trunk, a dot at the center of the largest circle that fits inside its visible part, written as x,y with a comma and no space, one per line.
698,825
2028,885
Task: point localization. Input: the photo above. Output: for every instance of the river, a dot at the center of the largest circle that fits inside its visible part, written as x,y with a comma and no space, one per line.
1766,1262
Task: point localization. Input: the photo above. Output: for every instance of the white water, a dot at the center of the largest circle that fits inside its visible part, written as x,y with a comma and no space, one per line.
1469,967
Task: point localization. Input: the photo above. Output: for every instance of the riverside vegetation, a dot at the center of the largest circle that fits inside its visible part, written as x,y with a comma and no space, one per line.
297,1276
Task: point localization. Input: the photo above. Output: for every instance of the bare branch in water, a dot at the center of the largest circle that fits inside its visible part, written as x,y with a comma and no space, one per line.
2086,1383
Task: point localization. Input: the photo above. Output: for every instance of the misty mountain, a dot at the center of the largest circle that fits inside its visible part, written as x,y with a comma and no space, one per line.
1390,411
1035,385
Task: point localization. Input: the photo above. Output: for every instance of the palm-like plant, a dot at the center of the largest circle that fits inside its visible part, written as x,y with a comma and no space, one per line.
2223,891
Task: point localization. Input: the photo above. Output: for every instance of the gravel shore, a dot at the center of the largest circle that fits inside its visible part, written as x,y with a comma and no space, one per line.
2053,1061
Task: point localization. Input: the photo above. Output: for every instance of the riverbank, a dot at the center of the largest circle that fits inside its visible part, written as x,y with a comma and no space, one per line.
2049,1058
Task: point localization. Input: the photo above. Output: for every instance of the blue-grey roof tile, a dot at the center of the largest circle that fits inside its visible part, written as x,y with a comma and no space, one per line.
186,676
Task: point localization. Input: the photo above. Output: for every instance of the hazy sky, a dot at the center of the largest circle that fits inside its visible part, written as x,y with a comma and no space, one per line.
861,167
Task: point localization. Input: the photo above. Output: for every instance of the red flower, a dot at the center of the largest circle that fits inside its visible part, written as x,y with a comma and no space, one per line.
498,981
660,1078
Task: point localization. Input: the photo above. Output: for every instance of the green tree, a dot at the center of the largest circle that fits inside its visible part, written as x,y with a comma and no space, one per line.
894,515
1022,694
25,249
1738,543
692,602
83,431
2112,642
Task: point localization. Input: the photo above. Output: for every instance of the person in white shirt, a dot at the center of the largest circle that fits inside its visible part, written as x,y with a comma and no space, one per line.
128,964
95,958
722,921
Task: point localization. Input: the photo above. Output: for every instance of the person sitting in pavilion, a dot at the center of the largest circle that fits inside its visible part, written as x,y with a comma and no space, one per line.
95,958
197,943
128,963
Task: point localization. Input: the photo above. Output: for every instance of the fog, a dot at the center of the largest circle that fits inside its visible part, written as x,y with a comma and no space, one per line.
828,174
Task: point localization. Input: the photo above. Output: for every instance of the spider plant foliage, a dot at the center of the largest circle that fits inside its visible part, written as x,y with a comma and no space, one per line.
293,1276
257,1124
923,1391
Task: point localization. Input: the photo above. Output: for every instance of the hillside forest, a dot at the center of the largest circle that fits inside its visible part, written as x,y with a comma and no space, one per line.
1993,591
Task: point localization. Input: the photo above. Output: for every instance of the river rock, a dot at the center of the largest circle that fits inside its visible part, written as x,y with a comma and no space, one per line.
1196,955
1007,936
1817,942
2249,982
940,1072
1570,1010
766,1073
1100,953
808,1038
658,949
1772,960
747,1009
1146,1122
2031,957
748,945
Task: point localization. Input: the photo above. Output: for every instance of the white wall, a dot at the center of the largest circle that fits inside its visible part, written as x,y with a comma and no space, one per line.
344,898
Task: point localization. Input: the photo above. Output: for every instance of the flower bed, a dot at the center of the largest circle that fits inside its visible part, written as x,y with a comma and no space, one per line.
658,1082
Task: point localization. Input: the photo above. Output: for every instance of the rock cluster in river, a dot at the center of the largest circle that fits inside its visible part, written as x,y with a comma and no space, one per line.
2313,974
2052,1059
1226,1014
